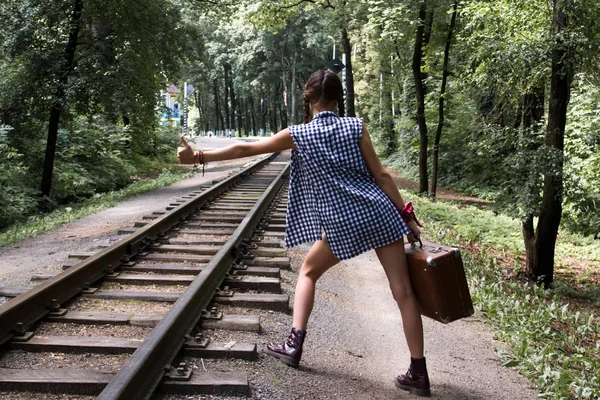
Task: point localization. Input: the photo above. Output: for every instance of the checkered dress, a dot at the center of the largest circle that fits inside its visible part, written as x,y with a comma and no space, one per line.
332,190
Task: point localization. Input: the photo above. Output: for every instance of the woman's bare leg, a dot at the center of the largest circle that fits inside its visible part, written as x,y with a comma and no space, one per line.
393,259
319,259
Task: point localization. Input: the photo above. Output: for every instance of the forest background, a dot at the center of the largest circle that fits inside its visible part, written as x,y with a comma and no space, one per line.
496,99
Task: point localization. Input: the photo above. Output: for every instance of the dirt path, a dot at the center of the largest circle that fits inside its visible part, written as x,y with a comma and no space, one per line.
441,193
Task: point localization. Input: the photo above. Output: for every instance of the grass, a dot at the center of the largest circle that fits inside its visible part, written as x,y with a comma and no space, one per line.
37,225
553,336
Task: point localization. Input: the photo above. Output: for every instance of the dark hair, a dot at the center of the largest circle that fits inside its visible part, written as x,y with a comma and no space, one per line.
323,87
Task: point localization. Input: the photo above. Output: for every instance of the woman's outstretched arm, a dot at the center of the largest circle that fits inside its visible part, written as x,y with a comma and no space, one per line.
279,142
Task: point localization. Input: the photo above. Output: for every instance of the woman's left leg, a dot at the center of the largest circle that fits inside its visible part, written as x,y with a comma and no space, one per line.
393,260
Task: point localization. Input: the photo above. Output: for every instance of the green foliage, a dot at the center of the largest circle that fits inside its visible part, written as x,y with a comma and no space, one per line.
91,158
582,163
549,342
38,224
16,198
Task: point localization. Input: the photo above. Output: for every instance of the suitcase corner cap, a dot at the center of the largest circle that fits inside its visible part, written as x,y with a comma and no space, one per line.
430,262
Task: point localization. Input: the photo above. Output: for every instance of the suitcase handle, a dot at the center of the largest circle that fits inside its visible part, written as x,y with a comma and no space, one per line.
413,244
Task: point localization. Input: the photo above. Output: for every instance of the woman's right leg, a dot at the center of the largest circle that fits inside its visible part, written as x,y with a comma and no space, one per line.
318,260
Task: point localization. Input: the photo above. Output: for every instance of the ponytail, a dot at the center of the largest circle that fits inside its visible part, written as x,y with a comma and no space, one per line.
306,110
341,109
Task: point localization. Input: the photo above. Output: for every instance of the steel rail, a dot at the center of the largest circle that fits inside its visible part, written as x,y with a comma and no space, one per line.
144,370
19,313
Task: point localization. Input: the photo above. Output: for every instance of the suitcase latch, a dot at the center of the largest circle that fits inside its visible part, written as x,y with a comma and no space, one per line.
436,250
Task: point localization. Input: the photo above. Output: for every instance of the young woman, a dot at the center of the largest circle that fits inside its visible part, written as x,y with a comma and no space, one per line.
344,200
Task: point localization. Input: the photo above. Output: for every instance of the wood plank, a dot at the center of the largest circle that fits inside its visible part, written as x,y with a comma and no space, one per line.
279,302
244,351
232,214
273,227
272,285
78,344
12,291
126,231
170,297
248,323
220,232
264,301
245,201
269,252
209,218
99,318
275,234
184,269
272,272
172,257
281,262
213,383
115,345
92,382
56,380
81,255
204,250
209,225
270,242
164,268
195,242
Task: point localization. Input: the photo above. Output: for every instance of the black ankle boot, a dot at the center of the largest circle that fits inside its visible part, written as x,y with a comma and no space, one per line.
290,351
416,379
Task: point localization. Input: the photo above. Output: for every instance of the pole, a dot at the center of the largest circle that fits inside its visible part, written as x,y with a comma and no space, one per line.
380,96
393,99
185,108
344,79
333,40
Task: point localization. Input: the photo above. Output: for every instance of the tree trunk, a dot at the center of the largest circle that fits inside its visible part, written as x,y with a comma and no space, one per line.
233,105
245,112
551,211
226,102
217,112
440,127
235,111
58,102
284,81
263,112
294,114
274,115
420,92
253,115
532,113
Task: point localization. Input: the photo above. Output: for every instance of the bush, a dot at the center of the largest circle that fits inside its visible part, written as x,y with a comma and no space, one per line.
16,197
92,157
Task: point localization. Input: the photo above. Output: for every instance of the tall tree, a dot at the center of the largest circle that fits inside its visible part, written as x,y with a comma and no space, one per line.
442,96
59,96
420,93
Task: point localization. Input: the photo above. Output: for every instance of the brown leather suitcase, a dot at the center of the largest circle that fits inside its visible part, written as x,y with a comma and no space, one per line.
438,278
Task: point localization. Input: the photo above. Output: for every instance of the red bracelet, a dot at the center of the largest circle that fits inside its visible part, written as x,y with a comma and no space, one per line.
408,214
200,159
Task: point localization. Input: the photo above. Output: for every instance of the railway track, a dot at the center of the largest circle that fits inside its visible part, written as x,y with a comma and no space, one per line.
148,308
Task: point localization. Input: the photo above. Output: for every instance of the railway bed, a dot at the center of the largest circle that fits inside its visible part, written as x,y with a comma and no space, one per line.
148,313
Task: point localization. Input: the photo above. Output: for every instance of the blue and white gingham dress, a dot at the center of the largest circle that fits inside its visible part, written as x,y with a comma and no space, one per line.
332,190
